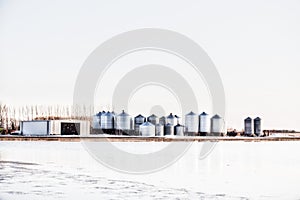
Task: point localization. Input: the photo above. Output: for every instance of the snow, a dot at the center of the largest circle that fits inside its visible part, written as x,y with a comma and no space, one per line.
234,170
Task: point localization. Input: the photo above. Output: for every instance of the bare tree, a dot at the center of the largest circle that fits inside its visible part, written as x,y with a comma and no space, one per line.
1,115
6,119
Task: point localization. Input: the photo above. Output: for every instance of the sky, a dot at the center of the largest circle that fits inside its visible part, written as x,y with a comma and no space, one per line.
255,46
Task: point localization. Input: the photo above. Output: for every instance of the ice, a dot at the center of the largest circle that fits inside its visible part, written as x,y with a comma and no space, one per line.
234,170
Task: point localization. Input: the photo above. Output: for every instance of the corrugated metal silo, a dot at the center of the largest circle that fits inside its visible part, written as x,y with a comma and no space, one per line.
248,126
204,124
257,126
178,119
162,120
171,119
191,123
159,130
138,120
216,125
107,122
152,119
168,129
100,114
179,130
147,129
97,121
124,123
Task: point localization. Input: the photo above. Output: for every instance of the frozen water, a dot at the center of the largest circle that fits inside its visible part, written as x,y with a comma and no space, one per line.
234,170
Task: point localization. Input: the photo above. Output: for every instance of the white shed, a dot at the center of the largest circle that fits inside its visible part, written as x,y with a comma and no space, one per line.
35,128
55,127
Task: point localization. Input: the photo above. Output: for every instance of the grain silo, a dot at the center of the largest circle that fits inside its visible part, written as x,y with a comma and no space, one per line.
96,121
171,119
138,120
147,129
168,129
216,125
179,130
191,123
204,124
257,126
159,130
124,123
248,126
152,119
107,122
162,120
178,119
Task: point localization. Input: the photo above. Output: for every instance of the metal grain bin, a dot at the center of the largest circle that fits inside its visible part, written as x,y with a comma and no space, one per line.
152,119
107,120
248,126
204,124
97,121
162,120
168,129
159,130
178,119
257,126
123,123
171,119
147,129
138,120
100,114
216,125
179,130
191,123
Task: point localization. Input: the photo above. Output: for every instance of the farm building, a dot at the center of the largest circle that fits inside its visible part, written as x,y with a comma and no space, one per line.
55,127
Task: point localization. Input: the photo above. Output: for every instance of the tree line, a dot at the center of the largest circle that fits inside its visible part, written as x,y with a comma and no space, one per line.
11,116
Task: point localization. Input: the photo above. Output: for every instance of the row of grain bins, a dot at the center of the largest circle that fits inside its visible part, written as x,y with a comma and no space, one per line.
122,124
256,126
54,127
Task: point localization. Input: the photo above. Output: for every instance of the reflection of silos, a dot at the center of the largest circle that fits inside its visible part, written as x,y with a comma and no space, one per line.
123,123
107,122
179,130
168,129
248,126
216,125
204,124
191,123
152,119
159,130
147,129
257,126
138,120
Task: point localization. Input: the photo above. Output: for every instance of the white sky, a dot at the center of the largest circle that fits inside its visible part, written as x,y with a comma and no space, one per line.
255,45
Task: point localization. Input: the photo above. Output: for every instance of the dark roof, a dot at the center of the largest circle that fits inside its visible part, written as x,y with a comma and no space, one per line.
204,113
140,116
216,117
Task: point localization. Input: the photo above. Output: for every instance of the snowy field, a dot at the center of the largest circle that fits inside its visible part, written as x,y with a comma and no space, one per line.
234,170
